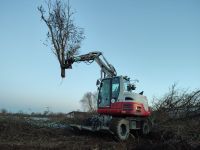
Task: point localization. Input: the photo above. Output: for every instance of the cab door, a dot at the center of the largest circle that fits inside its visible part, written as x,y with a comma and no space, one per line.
115,108
104,97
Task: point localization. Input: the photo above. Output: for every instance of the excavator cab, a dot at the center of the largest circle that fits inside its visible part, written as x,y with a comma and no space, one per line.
116,98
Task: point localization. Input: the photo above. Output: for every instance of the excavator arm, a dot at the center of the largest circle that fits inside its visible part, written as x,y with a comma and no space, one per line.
107,70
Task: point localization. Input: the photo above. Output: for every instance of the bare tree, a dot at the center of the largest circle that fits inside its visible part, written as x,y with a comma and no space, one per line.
3,111
176,115
89,102
64,35
179,103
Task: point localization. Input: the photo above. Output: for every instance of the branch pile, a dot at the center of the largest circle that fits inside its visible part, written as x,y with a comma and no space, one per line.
178,112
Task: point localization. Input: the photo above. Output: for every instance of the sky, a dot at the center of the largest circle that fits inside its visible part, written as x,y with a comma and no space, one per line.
156,42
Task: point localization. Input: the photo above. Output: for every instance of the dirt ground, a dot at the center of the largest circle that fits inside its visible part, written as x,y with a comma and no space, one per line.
18,133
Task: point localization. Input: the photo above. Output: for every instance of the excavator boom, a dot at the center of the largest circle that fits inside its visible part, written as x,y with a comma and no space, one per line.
107,70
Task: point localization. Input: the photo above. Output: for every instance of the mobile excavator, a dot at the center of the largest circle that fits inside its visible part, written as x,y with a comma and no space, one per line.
119,109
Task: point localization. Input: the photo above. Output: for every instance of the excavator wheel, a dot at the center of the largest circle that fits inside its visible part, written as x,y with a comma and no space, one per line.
120,128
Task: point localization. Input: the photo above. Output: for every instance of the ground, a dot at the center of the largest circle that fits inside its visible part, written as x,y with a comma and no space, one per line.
26,132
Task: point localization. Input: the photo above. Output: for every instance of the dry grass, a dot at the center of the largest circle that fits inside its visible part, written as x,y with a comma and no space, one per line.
17,133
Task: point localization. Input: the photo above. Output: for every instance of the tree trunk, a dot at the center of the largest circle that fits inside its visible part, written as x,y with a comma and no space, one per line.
62,72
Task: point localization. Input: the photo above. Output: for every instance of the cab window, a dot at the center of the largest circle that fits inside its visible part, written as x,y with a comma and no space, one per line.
115,88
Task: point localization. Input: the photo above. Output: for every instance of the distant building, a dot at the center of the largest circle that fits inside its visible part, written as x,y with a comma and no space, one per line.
78,114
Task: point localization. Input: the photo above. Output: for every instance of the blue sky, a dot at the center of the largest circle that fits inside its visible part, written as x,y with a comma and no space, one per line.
156,42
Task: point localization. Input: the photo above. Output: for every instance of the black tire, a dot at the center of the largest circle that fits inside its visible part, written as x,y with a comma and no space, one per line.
120,127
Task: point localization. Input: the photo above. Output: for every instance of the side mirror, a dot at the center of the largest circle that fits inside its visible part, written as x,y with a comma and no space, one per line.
129,87
133,87
98,82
